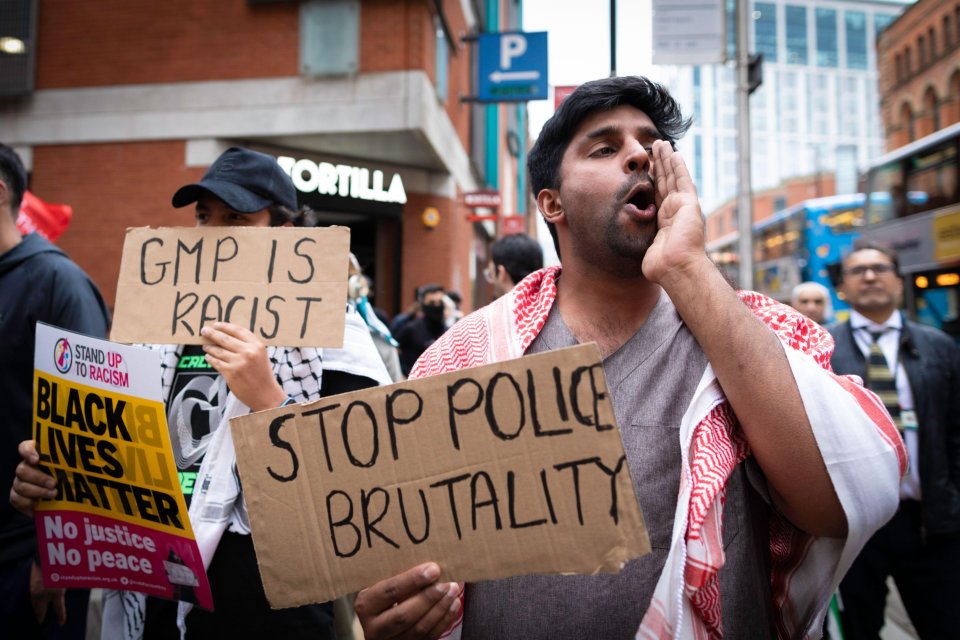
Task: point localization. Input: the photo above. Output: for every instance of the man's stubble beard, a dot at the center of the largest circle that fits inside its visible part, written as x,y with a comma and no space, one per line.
621,254
629,249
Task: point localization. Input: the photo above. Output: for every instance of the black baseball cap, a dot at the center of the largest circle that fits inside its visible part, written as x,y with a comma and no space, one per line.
246,180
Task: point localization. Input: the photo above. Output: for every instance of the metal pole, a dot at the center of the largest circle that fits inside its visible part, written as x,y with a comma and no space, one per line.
613,38
744,193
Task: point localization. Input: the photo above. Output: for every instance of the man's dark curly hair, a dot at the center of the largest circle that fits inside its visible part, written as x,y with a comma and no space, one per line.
14,175
543,162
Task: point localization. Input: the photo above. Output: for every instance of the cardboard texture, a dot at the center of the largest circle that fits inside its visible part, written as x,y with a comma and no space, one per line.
502,470
287,285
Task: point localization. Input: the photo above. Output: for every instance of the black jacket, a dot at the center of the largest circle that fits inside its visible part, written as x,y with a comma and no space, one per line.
38,282
932,361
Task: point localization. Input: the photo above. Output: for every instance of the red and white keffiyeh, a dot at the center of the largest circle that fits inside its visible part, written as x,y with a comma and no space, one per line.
861,448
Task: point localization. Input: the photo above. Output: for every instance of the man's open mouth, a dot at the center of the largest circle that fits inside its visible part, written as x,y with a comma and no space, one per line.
642,196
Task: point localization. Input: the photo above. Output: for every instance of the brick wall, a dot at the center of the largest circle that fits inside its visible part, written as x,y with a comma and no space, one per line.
111,187
139,41
431,254
397,35
116,185
458,72
933,70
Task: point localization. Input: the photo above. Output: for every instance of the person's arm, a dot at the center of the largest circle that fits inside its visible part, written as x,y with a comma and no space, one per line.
746,356
30,485
43,598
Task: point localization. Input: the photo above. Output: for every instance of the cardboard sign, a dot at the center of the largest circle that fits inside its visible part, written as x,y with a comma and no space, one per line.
119,520
287,285
502,470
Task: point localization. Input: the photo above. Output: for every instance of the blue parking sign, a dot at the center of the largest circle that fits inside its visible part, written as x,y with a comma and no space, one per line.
512,67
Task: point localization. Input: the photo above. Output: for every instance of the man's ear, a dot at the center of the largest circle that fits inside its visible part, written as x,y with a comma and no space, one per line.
503,276
548,201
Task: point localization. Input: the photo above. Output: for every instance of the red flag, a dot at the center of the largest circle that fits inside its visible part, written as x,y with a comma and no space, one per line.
49,220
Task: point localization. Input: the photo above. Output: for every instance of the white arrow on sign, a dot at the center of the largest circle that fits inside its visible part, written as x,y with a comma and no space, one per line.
505,76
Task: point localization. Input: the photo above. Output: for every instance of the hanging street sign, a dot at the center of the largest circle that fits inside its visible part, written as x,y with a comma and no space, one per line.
512,67
476,199
689,31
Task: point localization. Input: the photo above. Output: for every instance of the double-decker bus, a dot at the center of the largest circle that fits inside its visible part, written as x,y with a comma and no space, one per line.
913,205
802,242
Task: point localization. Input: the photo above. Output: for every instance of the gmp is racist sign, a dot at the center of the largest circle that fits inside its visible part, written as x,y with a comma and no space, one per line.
496,471
286,285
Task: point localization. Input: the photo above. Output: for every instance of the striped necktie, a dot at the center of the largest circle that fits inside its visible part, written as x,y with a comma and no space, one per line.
881,381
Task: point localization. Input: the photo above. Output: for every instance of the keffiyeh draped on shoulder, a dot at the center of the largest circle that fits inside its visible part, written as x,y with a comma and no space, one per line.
862,451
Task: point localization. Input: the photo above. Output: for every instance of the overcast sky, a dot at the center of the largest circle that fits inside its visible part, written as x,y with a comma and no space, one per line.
578,43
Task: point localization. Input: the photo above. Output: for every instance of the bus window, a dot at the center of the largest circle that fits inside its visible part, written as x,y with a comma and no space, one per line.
779,239
919,177
843,219
887,195
933,174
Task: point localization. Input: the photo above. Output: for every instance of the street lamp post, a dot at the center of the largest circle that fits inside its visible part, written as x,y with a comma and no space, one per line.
613,38
744,193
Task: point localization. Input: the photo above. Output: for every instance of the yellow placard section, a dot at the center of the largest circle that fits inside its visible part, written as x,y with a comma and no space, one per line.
108,454
946,236
287,285
502,470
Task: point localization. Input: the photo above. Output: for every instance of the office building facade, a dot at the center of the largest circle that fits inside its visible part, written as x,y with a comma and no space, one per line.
114,105
817,109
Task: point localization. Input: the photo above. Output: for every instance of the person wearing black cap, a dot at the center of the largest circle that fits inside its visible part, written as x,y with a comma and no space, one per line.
206,386
243,188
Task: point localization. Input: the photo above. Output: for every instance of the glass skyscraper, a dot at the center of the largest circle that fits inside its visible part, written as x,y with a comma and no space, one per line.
817,109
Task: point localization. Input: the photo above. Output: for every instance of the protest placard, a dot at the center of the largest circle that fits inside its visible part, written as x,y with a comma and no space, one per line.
287,285
119,520
501,470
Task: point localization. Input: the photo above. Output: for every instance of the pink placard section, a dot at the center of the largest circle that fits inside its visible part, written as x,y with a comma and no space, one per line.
86,551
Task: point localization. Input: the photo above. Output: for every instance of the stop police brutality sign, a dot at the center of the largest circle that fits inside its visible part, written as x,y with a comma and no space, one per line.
491,472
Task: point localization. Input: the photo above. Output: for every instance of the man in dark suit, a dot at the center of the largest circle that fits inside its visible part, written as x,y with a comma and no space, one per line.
920,546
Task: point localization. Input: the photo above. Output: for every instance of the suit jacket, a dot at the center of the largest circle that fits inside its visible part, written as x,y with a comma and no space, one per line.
932,361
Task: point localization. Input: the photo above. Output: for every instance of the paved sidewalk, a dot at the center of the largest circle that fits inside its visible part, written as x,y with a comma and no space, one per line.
897,626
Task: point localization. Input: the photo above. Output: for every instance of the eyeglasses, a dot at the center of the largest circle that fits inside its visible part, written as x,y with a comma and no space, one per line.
861,269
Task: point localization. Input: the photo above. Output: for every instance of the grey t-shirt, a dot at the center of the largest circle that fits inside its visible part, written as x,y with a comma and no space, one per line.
651,379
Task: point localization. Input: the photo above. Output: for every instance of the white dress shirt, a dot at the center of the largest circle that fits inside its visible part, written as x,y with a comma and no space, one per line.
889,344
